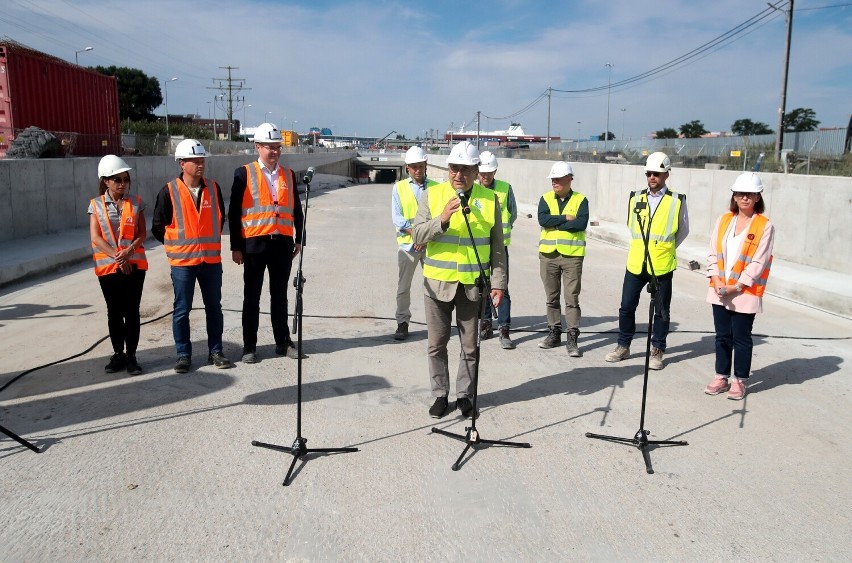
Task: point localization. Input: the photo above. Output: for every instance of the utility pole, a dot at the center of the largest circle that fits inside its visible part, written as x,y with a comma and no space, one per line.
608,86
477,129
547,142
231,85
779,138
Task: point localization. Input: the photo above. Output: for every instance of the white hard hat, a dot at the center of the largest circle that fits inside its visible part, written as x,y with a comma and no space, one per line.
487,162
748,182
110,165
560,170
415,155
464,153
190,148
267,133
658,162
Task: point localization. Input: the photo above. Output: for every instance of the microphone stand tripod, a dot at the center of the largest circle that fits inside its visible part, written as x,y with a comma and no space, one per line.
299,449
18,439
471,436
640,439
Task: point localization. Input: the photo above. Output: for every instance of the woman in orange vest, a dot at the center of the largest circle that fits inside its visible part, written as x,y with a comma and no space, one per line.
738,266
117,230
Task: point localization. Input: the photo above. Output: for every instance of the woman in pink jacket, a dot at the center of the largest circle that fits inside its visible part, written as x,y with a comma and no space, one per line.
738,266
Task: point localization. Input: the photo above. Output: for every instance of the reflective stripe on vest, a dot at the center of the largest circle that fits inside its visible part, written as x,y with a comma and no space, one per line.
261,214
194,235
451,257
662,234
564,242
409,206
749,246
501,188
105,264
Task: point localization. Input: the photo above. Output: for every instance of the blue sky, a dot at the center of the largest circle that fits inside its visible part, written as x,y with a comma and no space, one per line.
367,68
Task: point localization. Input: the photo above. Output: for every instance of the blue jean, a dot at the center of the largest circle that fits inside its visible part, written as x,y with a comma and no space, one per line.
504,311
733,338
630,292
209,278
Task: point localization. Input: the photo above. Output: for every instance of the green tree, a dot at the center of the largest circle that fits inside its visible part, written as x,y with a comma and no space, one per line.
667,133
138,93
800,119
748,127
610,136
693,129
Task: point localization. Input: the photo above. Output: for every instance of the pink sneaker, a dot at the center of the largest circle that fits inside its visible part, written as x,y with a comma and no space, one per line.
738,390
718,385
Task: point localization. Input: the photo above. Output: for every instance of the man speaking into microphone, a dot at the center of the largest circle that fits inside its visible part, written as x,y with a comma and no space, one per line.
450,270
265,219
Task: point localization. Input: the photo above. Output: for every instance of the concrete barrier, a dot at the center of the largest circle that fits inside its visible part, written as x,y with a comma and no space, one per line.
52,195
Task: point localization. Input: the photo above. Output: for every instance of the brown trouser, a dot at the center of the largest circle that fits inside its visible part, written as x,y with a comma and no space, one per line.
438,318
565,273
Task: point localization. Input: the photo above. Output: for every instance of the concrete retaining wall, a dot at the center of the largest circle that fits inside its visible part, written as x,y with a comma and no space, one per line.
812,214
51,195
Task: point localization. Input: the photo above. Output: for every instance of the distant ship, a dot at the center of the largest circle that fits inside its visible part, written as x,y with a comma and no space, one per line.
514,136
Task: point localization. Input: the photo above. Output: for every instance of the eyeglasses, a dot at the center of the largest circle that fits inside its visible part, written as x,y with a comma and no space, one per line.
654,174
742,195
465,170
272,148
122,180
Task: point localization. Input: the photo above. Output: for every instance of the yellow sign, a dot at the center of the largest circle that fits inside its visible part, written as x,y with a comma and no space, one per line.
736,153
104,143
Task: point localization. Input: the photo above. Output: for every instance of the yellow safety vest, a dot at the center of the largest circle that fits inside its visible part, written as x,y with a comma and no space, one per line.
501,188
450,257
409,205
661,239
564,242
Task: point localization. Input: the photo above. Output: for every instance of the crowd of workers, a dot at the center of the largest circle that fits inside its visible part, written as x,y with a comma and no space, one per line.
458,231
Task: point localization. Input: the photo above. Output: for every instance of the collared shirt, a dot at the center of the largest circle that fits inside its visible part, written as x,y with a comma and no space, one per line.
654,200
114,209
401,223
271,179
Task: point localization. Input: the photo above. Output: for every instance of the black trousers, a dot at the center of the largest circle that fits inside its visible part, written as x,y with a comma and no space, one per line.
277,257
123,293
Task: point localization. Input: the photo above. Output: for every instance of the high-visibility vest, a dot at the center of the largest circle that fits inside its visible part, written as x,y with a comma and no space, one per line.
261,214
105,264
564,242
195,235
662,236
501,188
409,205
450,257
749,246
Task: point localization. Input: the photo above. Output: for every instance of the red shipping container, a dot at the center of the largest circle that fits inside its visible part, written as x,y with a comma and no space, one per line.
78,105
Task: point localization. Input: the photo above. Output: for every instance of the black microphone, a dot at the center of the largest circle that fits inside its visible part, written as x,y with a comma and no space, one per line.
463,199
640,205
309,175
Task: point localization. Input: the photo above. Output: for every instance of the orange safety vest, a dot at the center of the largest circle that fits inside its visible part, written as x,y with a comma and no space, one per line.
261,214
105,264
750,244
195,235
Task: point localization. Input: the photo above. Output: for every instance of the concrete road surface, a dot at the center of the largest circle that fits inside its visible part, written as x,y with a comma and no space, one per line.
161,466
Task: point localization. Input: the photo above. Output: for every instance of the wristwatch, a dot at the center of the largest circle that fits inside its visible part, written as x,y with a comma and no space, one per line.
738,288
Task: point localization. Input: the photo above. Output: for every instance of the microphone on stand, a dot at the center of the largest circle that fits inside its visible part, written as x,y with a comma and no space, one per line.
464,201
309,175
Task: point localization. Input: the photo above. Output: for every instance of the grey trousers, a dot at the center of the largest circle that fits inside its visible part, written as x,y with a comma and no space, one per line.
565,273
407,262
438,318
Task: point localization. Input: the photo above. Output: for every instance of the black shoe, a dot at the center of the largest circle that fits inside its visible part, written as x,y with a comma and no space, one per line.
439,408
218,360
182,365
249,356
466,407
288,349
133,367
571,344
553,339
401,331
486,330
116,363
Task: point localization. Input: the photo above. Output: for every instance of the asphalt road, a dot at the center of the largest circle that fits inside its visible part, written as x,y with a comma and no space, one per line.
161,466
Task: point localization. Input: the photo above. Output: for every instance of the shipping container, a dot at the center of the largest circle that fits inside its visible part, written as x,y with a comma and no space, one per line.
290,138
78,105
